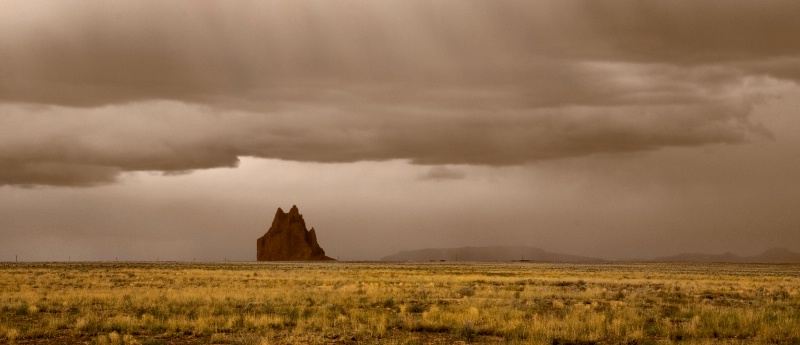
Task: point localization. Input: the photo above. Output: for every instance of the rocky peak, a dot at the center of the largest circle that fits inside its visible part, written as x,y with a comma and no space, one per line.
289,240
282,219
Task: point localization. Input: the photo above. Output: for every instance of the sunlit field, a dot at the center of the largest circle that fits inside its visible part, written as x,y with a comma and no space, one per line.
398,303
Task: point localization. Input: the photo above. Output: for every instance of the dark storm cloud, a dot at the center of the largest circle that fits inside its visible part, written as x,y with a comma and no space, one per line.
93,89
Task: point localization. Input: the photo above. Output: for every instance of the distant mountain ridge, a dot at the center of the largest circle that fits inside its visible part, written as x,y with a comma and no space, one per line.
490,253
517,253
771,256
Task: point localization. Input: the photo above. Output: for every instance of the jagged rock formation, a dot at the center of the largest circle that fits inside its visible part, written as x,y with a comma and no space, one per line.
289,240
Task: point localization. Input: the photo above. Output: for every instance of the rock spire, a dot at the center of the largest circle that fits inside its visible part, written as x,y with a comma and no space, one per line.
289,240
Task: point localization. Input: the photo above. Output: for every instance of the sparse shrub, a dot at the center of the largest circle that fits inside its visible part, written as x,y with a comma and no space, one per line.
310,302
389,303
336,309
22,310
466,291
292,316
620,295
780,295
416,308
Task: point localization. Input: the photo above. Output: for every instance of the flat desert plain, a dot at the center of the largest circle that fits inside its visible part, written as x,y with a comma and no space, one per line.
398,303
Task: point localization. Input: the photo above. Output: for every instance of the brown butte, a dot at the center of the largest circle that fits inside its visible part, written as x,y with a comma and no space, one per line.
289,240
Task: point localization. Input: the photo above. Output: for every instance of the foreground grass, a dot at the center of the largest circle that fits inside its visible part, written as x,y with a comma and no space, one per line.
249,303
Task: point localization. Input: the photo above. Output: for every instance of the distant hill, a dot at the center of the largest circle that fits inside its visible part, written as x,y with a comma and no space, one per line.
771,256
496,253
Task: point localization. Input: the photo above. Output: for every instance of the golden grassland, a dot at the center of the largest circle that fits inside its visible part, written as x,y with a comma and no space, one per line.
398,303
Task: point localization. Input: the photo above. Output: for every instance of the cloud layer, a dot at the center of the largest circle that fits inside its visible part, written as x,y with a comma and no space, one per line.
92,89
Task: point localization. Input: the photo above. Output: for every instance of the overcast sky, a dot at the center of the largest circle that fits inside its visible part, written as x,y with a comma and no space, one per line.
173,130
